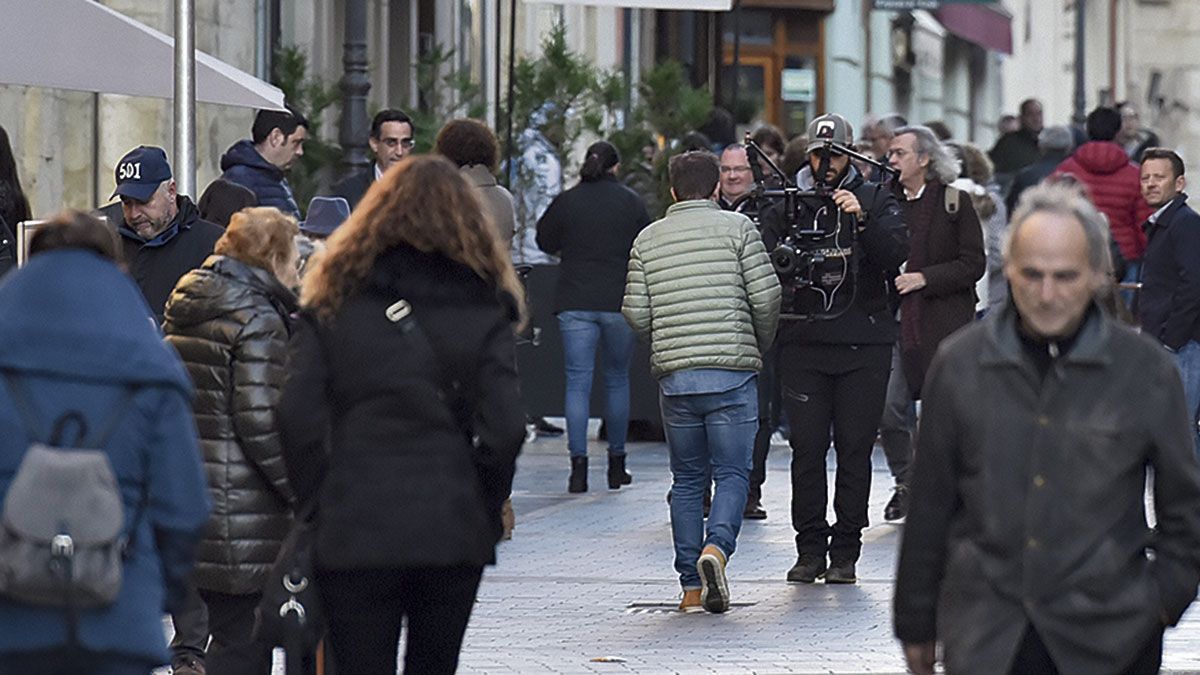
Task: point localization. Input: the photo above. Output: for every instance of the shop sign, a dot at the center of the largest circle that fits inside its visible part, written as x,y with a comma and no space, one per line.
900,5
799,84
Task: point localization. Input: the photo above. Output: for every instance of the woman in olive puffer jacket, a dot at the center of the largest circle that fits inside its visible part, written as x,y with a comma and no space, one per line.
230,322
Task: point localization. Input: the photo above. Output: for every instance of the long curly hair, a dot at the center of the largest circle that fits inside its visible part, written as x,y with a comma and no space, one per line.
423,202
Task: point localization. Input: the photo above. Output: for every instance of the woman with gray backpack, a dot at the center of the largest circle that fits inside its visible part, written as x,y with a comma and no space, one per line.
103,495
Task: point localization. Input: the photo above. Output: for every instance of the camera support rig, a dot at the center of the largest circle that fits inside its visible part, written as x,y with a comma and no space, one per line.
813,263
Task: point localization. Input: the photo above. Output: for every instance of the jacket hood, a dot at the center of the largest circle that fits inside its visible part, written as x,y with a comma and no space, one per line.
1101,157
243,153
72,313
850,179
223,285
405,272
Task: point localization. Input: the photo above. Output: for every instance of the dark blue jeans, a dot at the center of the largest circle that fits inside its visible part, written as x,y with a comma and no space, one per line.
1188,361
582,332
709,434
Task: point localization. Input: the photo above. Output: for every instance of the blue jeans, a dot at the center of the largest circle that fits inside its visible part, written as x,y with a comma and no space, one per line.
581,332
709,434
1188,361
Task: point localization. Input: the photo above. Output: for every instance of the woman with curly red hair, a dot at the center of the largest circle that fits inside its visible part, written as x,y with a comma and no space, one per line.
402,415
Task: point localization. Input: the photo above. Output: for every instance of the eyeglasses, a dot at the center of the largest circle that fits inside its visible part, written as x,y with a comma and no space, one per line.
407,143
735,169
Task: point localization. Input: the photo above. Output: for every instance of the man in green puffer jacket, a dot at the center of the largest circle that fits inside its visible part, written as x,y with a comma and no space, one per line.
702,290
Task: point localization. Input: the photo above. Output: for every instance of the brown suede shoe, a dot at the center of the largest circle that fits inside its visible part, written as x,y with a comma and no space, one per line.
715,592
691,601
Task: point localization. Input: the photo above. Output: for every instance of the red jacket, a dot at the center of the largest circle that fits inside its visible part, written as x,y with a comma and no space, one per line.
1114,185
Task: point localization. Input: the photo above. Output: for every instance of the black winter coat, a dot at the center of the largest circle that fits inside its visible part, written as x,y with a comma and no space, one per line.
881,246
591,227
158,264
229,322
410,478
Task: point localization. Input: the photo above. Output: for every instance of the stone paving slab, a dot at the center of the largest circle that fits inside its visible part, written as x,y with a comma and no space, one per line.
590,576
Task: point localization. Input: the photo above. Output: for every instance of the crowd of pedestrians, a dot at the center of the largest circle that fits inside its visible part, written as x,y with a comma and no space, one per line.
252,377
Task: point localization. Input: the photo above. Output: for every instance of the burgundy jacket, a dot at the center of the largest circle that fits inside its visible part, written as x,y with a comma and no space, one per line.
1114,185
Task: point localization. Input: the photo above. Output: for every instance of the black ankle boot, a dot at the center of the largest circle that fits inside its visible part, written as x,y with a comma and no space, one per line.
617,476
578,480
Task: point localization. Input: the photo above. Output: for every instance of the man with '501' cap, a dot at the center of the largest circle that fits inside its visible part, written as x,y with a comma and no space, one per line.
162,234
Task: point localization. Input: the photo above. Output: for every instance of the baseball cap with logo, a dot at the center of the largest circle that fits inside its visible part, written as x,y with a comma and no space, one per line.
830,127
141,171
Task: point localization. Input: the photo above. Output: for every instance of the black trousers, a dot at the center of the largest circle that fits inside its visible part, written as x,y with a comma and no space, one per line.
1034,659
230,621
769,412
366,609
838,387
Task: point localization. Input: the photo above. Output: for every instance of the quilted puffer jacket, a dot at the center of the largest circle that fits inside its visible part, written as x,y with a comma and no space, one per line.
1114,185
229,322
701,288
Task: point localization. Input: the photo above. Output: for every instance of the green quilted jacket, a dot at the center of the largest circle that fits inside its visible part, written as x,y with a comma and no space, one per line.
702,290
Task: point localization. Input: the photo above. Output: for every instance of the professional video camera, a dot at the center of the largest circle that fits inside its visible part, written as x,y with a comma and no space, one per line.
814,255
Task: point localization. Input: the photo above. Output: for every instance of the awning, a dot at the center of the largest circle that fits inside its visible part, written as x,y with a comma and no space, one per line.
85,46
694,5
989,26
811,5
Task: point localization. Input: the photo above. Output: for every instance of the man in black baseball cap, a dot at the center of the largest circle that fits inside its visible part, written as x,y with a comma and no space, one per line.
162,234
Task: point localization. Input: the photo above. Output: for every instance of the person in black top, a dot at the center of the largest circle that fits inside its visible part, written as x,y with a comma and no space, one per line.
401,415
835,350
591,227
163,236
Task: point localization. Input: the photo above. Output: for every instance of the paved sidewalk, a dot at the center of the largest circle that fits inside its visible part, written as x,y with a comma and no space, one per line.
590,577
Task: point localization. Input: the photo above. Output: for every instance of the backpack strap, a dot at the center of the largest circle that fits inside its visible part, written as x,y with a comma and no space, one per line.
951,197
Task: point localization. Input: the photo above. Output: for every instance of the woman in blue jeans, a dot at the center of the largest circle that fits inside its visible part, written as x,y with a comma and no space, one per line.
591,227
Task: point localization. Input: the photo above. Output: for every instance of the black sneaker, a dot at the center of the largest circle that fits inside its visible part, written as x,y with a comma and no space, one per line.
184,664
808,568
897,506
754,510
544,428
840,572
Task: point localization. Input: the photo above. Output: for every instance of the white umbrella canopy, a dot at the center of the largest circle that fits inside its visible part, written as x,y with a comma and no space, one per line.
85,46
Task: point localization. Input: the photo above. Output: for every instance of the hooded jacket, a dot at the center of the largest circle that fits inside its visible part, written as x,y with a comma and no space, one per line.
76,330
229,323
242,164
421,446
1114,186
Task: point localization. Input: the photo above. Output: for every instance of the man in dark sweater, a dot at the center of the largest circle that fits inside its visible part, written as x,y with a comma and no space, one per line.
162,234
261,162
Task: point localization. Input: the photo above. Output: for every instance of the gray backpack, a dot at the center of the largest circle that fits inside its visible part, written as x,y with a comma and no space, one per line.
62,528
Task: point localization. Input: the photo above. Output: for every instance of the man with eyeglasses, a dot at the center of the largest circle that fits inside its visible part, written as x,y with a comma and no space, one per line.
736,178
391,140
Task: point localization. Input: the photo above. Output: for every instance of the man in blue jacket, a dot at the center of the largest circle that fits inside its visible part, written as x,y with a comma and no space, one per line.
260,162
1169,306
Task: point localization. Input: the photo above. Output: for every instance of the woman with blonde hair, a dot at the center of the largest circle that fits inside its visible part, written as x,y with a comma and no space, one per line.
402,415
230,321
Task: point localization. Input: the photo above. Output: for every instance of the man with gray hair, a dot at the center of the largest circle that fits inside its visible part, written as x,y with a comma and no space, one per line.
936,286
1027,548
877,133
1055,144
163,236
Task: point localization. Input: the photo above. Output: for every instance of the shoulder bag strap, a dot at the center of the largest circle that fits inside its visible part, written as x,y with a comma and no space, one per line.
453,398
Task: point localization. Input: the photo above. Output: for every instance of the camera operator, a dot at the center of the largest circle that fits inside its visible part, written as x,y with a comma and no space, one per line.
834,368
